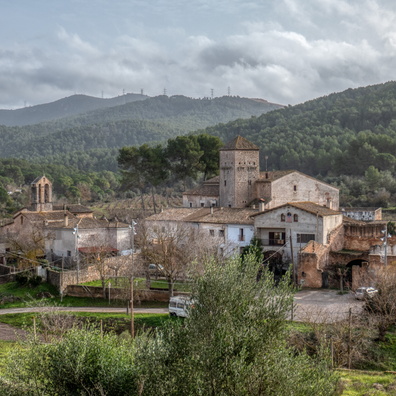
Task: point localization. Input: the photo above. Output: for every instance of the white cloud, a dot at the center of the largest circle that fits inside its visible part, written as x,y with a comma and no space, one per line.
287,51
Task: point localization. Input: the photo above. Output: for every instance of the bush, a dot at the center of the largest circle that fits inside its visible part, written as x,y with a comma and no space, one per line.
28,279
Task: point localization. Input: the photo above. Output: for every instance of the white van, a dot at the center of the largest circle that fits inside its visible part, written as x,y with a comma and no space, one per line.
179,306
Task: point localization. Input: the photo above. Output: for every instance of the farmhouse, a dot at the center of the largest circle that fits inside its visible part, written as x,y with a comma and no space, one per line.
295,216
55,232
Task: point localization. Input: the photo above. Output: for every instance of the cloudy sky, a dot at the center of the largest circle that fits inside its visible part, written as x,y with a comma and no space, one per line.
285,51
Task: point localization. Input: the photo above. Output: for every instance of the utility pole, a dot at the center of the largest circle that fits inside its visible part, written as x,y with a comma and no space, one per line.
385,240
293,263
75,233
132,227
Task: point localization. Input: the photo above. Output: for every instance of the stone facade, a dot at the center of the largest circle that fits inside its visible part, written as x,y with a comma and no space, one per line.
291,226
239,171
240,183
41,194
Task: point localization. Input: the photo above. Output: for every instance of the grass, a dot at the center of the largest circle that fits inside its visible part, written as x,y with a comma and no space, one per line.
361,383
140,283
26,294
117,322
29,297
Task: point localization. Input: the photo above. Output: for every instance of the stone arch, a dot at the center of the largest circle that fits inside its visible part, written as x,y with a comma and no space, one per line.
358,262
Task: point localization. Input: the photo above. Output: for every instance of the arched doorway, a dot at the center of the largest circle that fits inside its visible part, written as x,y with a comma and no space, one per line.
348,275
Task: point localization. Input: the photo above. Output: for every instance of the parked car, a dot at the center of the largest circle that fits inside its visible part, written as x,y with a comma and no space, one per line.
179,306
155,269
364,292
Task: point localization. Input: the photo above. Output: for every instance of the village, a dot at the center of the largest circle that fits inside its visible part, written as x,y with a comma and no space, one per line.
294,218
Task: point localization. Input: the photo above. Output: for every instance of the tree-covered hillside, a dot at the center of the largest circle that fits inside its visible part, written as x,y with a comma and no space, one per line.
154,119
66,107
342,133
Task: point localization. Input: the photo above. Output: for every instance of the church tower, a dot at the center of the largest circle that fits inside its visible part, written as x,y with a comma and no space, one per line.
41,195
239,170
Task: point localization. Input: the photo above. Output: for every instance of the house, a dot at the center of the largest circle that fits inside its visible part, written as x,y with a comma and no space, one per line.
286,229
65,231
241,184
363,214
298,220
230,229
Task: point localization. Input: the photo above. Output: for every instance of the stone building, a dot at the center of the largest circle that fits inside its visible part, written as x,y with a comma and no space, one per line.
241,184
53,231
295,216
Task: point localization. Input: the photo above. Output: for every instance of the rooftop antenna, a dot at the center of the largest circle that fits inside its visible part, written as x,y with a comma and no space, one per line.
266,159
102,94
165,91
141,91
211,93
229,91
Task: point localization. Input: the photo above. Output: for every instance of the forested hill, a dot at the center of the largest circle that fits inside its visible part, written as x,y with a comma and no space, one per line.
343,133
154,119
66,107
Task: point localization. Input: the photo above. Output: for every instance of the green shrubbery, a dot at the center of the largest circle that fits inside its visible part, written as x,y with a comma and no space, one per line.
234,342
28,279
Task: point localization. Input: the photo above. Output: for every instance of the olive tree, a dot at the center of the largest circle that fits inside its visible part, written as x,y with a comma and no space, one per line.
233,342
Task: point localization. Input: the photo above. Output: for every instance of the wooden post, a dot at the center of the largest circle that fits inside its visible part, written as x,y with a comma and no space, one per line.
132,319
349,337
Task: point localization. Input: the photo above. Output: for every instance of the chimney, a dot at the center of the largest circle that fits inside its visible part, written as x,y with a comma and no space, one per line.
66,220
211,210
261,206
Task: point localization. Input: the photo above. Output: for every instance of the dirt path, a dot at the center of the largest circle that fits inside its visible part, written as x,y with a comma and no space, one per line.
10,333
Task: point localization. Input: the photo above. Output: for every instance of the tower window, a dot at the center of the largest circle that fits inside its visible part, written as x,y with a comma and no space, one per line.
295,188
225,182
295,218
283,218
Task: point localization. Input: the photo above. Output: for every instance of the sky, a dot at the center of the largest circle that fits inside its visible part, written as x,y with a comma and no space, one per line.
284,51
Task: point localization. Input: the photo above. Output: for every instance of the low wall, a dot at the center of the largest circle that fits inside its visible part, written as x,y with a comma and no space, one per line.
97,292
61,280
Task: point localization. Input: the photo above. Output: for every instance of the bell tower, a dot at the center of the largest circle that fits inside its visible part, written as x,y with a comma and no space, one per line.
41,195
239,170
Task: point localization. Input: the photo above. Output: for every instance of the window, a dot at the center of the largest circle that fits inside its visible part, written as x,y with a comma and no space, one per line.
225,183
305,238
295,188
211,233
283,218
21,220
190,204
295,218
68,253
202,204
277,238
241,235
221,233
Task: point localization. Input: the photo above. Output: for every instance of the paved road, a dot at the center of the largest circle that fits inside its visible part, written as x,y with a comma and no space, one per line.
309,305
324,306
81,309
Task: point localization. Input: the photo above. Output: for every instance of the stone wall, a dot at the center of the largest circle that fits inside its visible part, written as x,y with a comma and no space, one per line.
62,279
314,258
97,292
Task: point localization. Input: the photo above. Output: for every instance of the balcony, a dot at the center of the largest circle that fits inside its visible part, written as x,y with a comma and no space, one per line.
272,242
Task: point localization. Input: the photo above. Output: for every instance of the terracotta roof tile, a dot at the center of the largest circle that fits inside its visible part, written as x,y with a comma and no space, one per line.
309,207
239,143
204,215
